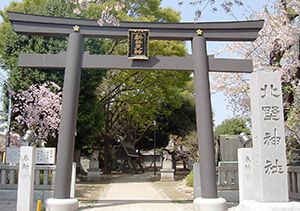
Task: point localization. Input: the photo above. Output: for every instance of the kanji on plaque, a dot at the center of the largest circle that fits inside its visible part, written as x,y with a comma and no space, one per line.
272,138
271,113
138,40
269,89
248,163
273,167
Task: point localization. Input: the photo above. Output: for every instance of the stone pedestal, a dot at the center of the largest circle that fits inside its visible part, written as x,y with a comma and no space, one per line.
94,171
167,172
250,205
167,175
61,204
205,204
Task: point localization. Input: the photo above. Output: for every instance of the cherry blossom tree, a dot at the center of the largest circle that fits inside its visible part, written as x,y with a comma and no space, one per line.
213,5
274,50
38,109
14,139
108,13
110,8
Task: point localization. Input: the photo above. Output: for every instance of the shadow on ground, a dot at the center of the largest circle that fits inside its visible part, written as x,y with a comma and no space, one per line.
112,203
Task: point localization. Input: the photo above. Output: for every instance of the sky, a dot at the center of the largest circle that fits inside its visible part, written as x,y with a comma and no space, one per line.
219,104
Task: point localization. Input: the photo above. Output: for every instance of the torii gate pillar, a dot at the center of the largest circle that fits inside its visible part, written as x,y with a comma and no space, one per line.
67,127
209,198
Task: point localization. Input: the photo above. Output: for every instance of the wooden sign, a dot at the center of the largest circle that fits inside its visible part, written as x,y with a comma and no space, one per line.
138,40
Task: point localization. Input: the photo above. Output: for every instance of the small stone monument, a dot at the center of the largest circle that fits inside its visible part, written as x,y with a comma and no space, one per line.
26,179
94,171
269,154
228,147
246,177
167,172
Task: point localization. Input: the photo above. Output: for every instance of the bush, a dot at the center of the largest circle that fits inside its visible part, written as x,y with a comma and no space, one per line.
189,179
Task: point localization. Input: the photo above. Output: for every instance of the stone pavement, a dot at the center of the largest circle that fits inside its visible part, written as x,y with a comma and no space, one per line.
134,193
127,193
8,205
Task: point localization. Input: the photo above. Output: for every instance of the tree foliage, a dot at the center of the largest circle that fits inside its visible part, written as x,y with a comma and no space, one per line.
233,126
114,102
11,45
132,100
276,49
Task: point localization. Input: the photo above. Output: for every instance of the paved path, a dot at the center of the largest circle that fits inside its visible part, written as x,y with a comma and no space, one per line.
134,193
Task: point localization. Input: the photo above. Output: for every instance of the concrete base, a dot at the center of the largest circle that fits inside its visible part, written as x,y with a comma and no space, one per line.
207,204
229,195
61,204
11,195
167,175
94,174
251,205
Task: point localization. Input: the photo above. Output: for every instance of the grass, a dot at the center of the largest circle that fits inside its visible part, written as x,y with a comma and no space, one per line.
189,179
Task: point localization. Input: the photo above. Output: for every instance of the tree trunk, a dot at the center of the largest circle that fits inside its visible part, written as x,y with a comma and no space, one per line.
106,161
174,161
79,168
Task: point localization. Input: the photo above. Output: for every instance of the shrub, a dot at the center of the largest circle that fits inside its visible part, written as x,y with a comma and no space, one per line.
189,179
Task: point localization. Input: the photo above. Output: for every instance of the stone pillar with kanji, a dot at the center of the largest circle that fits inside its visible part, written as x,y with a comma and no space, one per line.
269,150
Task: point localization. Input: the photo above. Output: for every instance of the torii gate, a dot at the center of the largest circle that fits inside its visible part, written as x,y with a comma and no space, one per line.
75,59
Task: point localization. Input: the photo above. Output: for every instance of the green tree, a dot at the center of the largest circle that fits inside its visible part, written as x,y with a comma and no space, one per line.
233,126
130,99
133,99
90,113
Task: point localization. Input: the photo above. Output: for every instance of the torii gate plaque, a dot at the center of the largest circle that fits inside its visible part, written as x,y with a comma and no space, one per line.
74,60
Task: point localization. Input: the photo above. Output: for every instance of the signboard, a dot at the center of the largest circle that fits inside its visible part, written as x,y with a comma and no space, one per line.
138,40
43,155
12,155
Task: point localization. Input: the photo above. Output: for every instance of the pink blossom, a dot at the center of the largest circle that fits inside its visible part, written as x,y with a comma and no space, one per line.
106,15
278,32
38,109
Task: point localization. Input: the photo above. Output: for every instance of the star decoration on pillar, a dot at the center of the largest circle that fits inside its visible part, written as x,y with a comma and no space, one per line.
76,28
199,32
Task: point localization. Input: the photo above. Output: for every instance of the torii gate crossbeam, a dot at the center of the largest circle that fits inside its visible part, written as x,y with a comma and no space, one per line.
74,60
